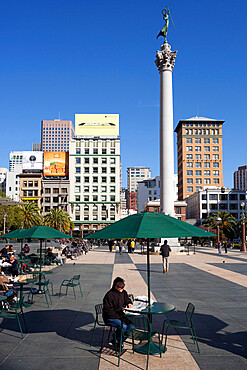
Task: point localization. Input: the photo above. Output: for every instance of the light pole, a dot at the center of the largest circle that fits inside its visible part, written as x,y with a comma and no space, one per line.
243,247
217,221
4,222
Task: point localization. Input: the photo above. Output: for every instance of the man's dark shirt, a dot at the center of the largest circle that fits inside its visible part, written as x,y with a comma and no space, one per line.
113,303
164,250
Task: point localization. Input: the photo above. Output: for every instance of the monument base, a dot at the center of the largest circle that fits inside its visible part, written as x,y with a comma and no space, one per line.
173,243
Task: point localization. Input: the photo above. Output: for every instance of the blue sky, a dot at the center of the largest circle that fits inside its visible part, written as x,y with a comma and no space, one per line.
78,56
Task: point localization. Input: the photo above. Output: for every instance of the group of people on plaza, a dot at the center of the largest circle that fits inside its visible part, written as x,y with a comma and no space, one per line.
130,244
225,245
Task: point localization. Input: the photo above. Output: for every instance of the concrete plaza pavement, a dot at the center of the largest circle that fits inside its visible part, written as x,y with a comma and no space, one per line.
59,336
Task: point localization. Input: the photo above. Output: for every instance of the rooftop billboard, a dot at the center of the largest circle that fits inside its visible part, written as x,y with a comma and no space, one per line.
56,164
97,124
32,161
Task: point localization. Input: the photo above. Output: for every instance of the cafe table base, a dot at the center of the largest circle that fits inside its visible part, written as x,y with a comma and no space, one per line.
154,348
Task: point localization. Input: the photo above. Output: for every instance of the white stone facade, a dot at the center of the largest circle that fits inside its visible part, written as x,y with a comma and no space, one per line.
94,172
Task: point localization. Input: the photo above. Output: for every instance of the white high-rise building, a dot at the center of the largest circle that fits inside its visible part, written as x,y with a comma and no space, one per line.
3,176
94,172
15,161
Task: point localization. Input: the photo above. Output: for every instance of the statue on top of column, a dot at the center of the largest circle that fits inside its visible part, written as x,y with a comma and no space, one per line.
166,14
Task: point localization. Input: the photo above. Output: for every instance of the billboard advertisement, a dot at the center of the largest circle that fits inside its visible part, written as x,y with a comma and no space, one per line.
97,124
32,161
56,164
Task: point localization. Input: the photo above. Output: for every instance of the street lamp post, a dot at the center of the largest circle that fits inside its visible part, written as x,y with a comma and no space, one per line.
218,221
243,247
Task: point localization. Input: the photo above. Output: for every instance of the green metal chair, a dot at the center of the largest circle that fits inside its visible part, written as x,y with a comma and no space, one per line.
43,289
13,312
187,324
100,322
143,332
71,283
43,280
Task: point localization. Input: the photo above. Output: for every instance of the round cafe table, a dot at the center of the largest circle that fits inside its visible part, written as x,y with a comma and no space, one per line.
22,283
155,309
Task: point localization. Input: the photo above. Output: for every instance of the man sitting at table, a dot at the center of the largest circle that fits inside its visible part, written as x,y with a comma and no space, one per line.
113,315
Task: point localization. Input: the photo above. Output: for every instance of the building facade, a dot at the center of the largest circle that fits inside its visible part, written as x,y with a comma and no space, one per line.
94,172
135,175
211,200
179,208
240,178
15,161
56,135
199,153
30,187
3,178
55,194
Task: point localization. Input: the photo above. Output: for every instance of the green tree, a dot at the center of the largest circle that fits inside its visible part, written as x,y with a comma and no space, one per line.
30,214
58,219
227,224
11,215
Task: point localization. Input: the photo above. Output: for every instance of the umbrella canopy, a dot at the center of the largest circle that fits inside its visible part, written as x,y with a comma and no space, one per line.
149,226
13,234
37,232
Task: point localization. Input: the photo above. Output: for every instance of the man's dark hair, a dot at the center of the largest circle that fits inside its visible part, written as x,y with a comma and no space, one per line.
118,282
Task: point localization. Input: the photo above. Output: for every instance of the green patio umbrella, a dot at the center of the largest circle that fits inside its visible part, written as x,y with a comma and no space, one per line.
13,234
149,226
38,232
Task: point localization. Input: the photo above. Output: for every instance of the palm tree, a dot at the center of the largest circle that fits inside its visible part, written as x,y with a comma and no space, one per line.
58,219
227,224
30,214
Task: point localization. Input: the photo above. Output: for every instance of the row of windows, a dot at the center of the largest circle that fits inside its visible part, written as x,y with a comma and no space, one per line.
199,164
56,190
201,132
30,184
95,208
206,181
95,218
55,200
198,141
199,148
93,198
95,151
95,179
95,169
52,129
94,189
202,124
30,193
96,143
199,156
223,196
199,173
78,160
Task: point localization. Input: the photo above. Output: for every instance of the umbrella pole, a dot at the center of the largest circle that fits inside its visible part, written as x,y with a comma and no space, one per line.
148,271
40,259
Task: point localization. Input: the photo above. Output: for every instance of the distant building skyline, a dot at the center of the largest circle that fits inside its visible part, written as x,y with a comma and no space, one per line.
56,135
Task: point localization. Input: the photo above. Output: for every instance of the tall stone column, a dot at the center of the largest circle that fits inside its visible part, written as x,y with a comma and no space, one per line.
165,60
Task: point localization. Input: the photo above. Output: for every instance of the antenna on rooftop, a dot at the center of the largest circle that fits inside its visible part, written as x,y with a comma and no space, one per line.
197,109
59,116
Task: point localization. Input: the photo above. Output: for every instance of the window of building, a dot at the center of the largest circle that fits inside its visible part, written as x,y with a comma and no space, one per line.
103,179
55,199
206,148
86,218
206,173
103,151
112,179
112,151
198,165
95,189
24,193
215,164
78,170
189,141
95,179
189,156
77,198
86,189
78,160
36,184
198,181
30,184
213,197
188,148
95,151
197,148
86,169
95,160
233,197
206,141
189,181
103,169
215,156
198,141
77,189
206,181
216,181
78,151
207,164
189,164
86,198
215,173
86,179
112,169
189,173
207,156
198,173
77,217
198,156
198,188
55,190
204,196
35,192
86,160
215,141
86,151
24,183
77,179
189,189
47,191
95,198
112,198
215,148
103,160
112,160
103,189
112,189
103,198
